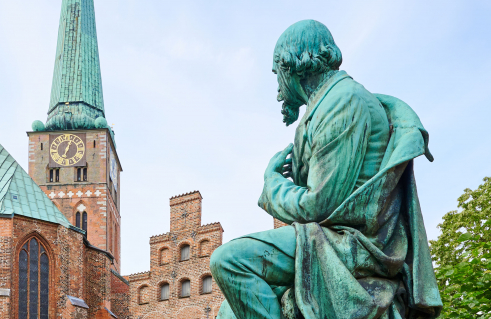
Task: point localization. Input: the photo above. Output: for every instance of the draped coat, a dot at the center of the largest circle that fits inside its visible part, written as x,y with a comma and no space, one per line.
361,249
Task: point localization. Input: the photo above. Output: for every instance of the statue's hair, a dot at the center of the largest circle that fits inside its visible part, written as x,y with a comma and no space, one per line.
307,47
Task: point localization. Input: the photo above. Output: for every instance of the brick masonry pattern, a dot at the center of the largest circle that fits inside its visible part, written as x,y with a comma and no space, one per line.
75,270
166,267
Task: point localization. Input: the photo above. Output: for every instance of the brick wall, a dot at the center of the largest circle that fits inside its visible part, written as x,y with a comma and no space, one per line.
120,297
166,266
65,250
76,269
278,223
6,240
97,281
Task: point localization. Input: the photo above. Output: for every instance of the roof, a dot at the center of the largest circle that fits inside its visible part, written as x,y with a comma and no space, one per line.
186,194
77,100
20,195
77,75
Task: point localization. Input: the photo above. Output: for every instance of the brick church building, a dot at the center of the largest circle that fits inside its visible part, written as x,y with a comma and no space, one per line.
60,222
179,284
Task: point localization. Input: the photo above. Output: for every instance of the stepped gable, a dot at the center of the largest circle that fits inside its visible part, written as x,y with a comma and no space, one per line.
20,195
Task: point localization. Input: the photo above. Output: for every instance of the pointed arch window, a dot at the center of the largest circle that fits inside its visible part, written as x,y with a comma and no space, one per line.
77,219
84,221
33,281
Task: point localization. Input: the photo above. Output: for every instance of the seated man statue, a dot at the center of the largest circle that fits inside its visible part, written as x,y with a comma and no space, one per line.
356,244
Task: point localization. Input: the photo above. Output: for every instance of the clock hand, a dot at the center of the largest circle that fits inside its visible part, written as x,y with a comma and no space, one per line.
66,149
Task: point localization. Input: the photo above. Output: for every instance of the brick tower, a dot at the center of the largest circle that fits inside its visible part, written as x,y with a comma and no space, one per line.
73,156
179,284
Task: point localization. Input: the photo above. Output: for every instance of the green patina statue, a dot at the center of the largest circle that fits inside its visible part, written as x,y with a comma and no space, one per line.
356,246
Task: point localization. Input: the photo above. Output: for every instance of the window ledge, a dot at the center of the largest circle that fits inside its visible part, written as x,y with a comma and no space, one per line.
181,297
164,299
204,256
144,303
206,293
184,260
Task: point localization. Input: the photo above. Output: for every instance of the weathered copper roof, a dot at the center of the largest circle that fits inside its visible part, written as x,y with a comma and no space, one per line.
20,195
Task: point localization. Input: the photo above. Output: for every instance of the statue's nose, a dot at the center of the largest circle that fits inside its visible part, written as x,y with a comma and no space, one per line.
279,97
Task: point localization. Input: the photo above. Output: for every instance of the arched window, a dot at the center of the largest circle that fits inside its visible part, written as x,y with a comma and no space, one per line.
77,219
164,291
206,285
84,221
185,249
33,281
204,248
185,288
164,256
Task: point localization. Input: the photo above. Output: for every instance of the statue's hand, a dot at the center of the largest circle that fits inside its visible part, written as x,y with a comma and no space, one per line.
279,163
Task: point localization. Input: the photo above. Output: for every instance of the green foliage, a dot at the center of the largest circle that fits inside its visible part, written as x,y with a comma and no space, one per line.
462,256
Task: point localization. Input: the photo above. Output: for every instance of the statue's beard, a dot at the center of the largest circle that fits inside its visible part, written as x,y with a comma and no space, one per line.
290,113
288,93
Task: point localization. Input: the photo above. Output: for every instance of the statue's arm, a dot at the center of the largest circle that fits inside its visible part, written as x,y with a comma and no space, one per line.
339,141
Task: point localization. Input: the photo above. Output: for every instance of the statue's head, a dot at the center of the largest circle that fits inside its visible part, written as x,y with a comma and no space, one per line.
304,51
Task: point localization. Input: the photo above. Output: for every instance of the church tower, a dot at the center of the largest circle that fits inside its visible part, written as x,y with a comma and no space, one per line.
73,156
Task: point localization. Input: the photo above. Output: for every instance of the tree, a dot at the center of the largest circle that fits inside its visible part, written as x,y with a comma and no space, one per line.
462,256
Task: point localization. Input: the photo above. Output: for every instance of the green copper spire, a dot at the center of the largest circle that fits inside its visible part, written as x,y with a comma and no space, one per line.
76,93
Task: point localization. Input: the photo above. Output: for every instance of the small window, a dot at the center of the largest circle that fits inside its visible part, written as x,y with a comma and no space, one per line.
81,174
84,221
77,219
94,143
185,288
54,175
207,285
41,146
164,292
185,252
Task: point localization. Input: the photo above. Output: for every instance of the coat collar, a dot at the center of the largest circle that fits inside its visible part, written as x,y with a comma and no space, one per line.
317,99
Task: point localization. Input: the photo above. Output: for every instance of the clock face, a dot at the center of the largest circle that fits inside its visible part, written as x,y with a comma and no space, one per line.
67,150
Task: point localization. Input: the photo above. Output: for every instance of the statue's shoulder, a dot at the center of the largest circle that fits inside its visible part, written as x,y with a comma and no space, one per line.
349,89
346,91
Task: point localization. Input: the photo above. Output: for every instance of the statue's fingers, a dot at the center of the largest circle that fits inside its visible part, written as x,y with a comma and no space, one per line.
287,168
287,174
287,150
288,161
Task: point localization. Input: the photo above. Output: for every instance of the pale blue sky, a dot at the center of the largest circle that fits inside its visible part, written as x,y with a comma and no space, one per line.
189,88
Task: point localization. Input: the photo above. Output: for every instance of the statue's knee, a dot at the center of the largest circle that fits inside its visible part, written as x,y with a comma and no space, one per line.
216,260
222,256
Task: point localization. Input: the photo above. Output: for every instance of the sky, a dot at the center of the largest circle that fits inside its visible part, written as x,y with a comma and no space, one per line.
189,91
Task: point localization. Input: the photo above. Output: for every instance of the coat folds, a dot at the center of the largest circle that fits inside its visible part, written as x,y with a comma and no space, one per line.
361,249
